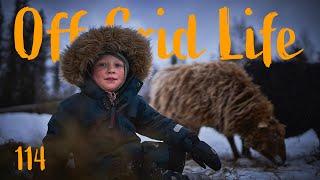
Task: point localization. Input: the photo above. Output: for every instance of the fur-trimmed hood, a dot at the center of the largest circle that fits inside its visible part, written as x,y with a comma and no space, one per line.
110,39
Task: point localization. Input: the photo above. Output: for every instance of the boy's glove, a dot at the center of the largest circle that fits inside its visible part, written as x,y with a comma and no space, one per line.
201,152
204,155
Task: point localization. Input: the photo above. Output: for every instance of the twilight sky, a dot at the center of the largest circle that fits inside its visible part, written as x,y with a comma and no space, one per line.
301,16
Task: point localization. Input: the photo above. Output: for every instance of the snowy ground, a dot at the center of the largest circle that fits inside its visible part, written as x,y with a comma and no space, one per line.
302,161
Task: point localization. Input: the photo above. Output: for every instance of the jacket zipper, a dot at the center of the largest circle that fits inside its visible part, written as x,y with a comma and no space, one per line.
112,97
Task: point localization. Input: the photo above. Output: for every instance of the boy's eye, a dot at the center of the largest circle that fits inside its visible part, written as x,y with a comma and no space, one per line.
105,65
118,65
102,65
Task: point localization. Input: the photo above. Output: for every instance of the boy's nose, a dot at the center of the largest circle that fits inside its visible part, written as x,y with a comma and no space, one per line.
110,70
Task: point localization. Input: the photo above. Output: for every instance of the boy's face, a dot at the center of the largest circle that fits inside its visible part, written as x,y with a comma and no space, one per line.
108,73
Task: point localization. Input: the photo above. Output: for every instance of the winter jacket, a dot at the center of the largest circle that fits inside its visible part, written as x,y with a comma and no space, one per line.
82,125
82,128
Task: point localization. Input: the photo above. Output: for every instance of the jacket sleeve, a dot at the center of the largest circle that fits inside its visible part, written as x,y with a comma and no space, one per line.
57,143
153,124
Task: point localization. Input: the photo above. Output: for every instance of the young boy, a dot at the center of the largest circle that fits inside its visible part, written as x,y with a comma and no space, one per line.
95,129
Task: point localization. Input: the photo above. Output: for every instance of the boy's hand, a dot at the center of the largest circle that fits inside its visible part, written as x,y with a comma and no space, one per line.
201,152
204,155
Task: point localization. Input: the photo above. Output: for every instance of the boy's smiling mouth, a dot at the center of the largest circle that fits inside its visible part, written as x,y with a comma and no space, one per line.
110,79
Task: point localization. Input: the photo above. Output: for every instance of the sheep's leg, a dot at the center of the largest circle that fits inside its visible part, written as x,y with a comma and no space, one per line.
233,147
317,130
245,150
197,130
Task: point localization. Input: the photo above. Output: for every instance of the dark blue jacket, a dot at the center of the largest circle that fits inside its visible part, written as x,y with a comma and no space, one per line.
82,125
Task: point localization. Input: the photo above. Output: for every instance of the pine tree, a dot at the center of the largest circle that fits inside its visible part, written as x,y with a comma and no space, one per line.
56,80
2,48
40,66
1,37
24,81
174,60
12,63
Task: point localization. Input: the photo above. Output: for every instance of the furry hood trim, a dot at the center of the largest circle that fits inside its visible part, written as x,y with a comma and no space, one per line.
89,46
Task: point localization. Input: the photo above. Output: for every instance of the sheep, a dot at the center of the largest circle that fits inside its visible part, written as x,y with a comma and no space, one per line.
302,115
220,95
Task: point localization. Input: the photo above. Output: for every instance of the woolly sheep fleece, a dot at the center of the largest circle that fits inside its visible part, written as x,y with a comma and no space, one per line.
219,95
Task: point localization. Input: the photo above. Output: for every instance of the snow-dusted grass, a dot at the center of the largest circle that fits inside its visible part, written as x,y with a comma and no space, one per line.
301,160
296,147
30,128
25,127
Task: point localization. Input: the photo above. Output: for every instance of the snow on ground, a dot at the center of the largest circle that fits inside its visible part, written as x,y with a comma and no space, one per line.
29,128
302,161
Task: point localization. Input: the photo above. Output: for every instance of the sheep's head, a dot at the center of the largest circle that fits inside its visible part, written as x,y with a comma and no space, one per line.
268,139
